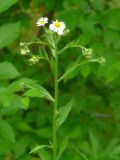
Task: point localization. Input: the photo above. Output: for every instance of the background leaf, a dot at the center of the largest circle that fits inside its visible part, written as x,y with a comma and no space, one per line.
4,5
6,131
44,155
8,71
9,32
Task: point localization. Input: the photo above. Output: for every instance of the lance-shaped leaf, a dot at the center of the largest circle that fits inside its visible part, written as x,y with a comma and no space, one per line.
63,113
49,38
37,90
73,44
72,69
37,148
63,146
100,60
80,153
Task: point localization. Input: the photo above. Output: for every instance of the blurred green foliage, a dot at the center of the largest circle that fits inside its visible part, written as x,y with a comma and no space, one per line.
93,125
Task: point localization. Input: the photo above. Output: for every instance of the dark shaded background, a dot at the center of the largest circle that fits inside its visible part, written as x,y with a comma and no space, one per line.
93,125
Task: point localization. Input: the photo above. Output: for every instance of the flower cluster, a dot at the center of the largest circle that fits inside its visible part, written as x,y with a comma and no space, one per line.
53,35
24,49
34,59
56,26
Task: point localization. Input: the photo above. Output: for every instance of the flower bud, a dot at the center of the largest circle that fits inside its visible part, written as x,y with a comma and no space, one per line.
22,44
102,60
87,52
66,32
25,51
34,60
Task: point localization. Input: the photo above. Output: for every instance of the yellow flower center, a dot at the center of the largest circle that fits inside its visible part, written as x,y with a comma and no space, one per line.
57,24
42,22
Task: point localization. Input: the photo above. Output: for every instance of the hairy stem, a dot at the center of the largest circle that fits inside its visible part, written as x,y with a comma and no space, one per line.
55,110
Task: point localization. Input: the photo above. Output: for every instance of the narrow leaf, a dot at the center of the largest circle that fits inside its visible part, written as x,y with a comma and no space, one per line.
37,148
94,143
37,89
72,44
79,152
72,69
63,113
49,39
18,85
63,146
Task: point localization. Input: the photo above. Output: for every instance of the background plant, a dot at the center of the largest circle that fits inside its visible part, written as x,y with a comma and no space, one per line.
96,111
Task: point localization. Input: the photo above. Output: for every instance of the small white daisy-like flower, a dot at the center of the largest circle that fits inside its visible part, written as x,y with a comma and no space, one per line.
42,21
57,27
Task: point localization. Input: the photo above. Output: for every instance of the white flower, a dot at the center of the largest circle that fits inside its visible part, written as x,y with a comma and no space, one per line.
57,27
42,21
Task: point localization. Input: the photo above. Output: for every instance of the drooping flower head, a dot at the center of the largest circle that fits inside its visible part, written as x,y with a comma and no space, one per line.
42,21
57,27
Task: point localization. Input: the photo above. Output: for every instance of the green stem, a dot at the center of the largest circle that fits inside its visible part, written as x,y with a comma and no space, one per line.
55,110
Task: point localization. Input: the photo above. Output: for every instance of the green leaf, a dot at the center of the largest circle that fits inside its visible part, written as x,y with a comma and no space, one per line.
63,146
49,39
79,152
115,152
70,70
37,90
20,146
6,131
25,101
18,85
37,148
8,71
85,70
111,19
8,33
5,4
95,144
63,113
72,44
73,68
44,155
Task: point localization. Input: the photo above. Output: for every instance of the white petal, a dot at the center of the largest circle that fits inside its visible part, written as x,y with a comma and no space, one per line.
56,29
60,32
63,25
46,19
51,27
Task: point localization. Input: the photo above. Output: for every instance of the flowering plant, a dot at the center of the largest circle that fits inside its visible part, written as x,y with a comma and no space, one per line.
52,37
